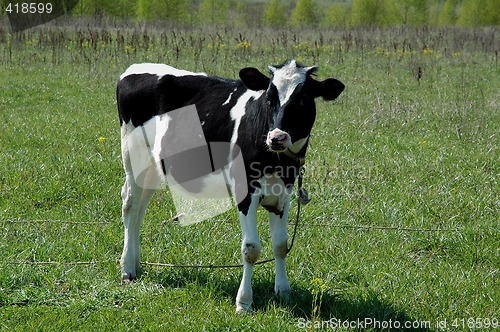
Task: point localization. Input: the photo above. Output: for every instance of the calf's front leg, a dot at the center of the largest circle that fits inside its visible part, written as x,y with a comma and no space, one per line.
278,227
250,252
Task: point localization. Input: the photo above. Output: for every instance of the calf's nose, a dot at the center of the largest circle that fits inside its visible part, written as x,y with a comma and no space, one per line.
277,138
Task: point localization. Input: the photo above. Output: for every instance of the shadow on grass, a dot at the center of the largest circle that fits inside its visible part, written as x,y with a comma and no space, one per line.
365,311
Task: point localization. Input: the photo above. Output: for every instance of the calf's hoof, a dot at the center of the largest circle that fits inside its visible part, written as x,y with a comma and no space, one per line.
127,278
243,308
284,295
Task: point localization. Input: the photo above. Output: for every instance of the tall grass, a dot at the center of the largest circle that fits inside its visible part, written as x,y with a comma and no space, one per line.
403,169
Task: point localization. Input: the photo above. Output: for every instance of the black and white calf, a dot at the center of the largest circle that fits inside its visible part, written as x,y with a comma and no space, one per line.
269,119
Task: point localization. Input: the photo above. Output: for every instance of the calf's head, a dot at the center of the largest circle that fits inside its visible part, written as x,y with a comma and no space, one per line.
290,94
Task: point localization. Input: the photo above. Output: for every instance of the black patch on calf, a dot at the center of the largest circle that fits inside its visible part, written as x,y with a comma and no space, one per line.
138,99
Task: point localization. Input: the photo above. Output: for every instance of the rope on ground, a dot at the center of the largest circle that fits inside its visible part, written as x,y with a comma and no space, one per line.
187,266
208,266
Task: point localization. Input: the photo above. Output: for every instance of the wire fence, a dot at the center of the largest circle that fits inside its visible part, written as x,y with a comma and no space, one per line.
348,226
199,266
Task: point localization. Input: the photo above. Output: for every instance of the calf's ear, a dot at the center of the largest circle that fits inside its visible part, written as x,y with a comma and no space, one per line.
330,89
254,79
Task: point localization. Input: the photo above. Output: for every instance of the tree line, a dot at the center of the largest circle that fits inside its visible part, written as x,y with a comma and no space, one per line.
300,13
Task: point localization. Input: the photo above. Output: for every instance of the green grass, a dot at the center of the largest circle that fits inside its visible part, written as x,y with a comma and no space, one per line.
404,174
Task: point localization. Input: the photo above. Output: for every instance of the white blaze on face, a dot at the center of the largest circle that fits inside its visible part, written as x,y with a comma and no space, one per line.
287,78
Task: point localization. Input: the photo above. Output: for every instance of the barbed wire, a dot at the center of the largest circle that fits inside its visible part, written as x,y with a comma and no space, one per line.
55,221
356,227
202,266
387,228
56,262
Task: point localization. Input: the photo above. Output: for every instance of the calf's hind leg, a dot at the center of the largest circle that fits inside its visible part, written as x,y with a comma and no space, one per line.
134,203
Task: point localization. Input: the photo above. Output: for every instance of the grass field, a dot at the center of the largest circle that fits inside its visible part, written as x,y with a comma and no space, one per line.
403,167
